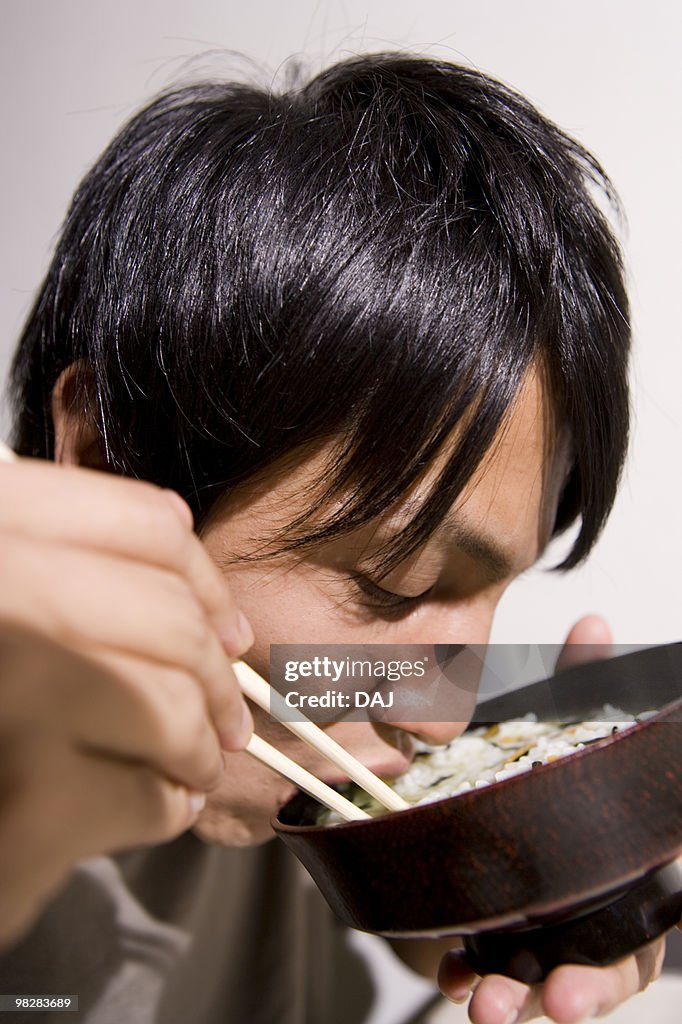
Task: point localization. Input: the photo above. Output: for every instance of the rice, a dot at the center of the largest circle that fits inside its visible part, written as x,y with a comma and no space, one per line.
488,754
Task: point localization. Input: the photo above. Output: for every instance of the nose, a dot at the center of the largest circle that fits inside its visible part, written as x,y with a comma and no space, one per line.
438,713
434,733
452,703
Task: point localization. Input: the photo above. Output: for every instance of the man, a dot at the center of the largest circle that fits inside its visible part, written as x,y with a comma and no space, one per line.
374,332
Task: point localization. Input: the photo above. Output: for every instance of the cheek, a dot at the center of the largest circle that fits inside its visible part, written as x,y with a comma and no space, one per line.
282,606
287,608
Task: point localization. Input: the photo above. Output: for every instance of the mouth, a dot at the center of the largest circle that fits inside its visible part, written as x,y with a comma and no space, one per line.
392,758
387,770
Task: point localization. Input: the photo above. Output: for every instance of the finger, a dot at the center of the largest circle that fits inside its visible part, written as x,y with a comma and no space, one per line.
129,518
151,714
79,806
114,703
589,639
105,601
496,999
572,992
501,1000
455,977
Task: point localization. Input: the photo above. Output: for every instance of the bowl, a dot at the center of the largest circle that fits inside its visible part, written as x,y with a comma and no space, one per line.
575,861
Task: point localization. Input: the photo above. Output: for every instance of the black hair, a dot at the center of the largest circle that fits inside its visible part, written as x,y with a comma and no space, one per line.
378,256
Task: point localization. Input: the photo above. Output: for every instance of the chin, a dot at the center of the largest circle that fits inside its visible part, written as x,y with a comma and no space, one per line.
245,821
235,832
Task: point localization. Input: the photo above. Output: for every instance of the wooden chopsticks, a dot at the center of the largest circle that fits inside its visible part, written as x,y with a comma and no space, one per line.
259,691
256,688
302,778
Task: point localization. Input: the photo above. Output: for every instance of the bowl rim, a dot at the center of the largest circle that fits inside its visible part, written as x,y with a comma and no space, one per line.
490,791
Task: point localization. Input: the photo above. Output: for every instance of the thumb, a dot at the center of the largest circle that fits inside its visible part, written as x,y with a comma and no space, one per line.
589,639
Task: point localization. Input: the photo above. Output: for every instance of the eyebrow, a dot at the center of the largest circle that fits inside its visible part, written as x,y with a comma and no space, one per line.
498,564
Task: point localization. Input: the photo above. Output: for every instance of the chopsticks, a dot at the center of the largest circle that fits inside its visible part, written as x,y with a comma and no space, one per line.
323,793
262,694
259,691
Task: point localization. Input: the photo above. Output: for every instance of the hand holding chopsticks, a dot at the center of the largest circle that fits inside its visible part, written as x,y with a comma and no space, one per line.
254,687
110,710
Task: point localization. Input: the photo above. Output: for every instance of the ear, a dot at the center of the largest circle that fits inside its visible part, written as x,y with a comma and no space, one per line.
77,438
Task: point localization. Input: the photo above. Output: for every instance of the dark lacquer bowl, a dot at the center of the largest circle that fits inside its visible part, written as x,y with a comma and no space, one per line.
574,861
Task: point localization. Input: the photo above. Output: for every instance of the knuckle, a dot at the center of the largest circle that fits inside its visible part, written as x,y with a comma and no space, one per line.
175,538
216,590
194,726
182,731
186,726
160,522
198,641
146,492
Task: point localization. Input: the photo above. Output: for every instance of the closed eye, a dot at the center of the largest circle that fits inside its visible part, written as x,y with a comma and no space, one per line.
379,597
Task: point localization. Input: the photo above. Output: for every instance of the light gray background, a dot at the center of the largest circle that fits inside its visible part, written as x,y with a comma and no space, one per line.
609,72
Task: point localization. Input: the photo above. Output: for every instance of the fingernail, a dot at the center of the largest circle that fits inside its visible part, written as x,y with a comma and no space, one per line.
197,802
232,739
511,1017
247,724
459,999
237,635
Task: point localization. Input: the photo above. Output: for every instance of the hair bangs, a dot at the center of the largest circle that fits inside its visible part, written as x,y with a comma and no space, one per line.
374,259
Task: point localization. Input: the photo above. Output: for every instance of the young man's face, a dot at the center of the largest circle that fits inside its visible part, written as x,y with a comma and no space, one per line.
449,592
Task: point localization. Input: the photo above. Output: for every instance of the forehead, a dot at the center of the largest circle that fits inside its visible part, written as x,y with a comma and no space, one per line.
513,495
507,508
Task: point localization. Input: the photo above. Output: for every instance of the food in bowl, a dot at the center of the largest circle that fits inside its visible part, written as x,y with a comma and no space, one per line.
488,754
